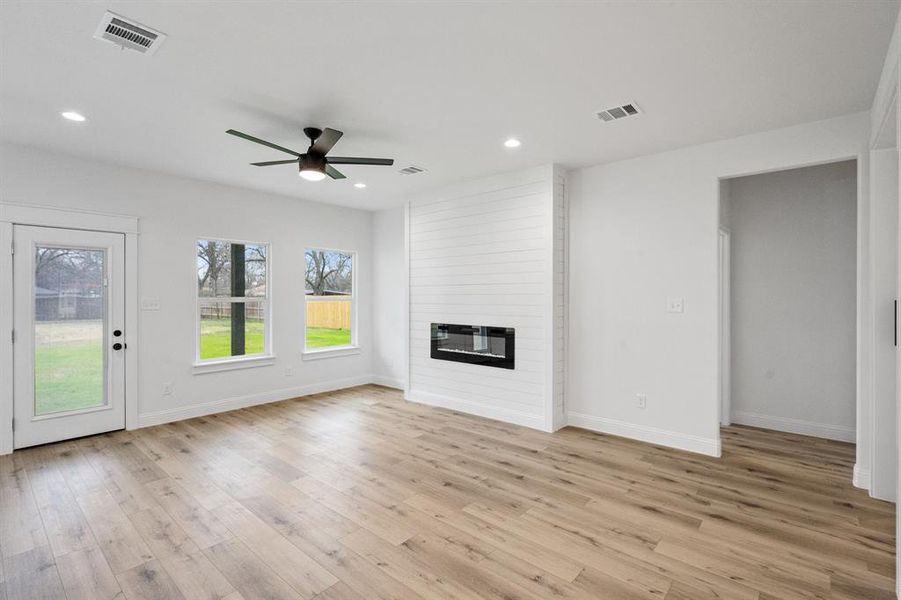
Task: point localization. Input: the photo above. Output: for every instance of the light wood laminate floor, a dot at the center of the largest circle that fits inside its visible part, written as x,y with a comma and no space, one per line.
358,495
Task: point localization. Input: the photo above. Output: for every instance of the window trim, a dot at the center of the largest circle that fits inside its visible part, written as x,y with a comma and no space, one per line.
332,351
234,362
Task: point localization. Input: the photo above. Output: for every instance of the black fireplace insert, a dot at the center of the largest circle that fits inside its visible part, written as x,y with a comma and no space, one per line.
476,344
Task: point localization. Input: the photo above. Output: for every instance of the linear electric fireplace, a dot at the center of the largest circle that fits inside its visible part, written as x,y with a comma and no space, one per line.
476,344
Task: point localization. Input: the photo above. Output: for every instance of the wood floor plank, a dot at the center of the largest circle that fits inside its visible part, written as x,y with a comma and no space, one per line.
86,574
64,523
33,575
202,527
357,494
289,562
120,542
526,549
339,591
21,526
149,581
423,579
164,537
247,573
197,578
316,533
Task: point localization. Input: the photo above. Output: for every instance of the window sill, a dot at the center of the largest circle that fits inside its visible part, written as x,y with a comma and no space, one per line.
330,352
233,364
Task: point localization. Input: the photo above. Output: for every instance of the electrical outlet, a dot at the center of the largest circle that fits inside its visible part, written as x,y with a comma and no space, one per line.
289,371
168,389
642,400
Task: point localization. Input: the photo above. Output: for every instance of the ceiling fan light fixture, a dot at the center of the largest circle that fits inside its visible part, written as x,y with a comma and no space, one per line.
312,168
312,174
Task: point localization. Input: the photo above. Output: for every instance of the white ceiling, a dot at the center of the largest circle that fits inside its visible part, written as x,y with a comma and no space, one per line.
437,84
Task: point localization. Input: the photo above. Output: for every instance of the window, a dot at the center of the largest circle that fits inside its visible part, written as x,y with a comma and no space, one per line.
329,299
232,300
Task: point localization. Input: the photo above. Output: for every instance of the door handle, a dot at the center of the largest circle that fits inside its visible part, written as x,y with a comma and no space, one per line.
117,346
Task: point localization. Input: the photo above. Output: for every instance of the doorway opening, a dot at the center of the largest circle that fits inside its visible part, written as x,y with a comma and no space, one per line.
788,300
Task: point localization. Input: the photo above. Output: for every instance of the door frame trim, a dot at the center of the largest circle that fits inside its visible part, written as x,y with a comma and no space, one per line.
44,216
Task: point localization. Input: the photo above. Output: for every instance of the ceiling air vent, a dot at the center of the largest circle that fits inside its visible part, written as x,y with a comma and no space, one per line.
128,34
412,170
618,112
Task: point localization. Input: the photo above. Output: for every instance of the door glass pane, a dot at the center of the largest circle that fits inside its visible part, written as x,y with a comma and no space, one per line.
68,330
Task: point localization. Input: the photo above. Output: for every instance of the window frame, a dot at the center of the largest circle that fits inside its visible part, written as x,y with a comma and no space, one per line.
212,365
332,351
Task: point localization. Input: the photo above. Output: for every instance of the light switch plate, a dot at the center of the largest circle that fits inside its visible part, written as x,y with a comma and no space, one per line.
150,303
675,305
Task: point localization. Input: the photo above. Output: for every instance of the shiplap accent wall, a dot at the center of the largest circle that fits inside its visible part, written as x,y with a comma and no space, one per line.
491,252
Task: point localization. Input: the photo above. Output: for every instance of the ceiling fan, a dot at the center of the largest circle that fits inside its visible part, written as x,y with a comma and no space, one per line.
314,165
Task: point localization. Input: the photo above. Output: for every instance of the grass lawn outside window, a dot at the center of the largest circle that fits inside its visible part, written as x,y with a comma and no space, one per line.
321,337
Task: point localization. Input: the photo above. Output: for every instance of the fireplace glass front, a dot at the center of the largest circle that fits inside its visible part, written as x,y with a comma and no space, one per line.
476,344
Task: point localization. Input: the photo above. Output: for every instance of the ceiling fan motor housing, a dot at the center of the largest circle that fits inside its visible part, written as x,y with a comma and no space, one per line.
312,162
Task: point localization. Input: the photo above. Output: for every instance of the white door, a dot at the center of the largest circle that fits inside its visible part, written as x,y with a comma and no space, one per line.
69,317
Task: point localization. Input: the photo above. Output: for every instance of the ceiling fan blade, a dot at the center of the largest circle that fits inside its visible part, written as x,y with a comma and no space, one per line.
269,163
334,173
353,160
326,140
259,141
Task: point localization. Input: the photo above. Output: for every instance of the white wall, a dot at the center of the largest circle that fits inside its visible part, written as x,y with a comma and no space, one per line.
724,301
885,132
560,293
173,213
883,292
482,253
389,306
644,230
793,311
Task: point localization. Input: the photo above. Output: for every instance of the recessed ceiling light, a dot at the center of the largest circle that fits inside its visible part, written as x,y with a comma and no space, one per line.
360,185
73,116
512,143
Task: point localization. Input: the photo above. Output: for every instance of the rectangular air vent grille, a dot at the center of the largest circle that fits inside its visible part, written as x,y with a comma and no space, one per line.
618,112
412,170
128,34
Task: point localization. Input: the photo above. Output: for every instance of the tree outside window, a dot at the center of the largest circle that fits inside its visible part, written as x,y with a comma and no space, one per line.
233,299
329,279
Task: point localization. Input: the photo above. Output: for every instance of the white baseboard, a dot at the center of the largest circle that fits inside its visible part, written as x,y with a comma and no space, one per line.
391,382
208,408
821,430
653,435
861,477
535,421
